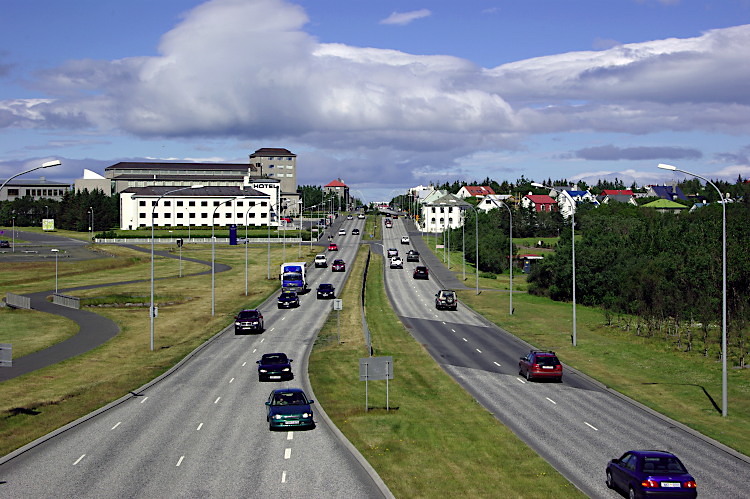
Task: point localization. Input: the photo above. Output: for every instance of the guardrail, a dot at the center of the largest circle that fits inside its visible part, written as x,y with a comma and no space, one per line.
17,301
66,301
195,240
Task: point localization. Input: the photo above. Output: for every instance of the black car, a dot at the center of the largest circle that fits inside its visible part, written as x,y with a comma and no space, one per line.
288,299
412,256
421,272
248,320
4,244
355,232
274,366
326,290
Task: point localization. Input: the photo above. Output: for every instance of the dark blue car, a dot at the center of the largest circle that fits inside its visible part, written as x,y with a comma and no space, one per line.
275,366
289,408
650,473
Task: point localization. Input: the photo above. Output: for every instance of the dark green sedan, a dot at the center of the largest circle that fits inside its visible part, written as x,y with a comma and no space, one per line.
289,408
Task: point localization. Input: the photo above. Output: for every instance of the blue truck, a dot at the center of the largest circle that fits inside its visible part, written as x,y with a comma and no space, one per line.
294,276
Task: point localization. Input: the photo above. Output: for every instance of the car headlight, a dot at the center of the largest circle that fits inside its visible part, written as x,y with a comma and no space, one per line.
307,415
286,370
262,371
277,416
237,323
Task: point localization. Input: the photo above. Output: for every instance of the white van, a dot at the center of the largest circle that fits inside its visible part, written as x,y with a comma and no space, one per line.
321,261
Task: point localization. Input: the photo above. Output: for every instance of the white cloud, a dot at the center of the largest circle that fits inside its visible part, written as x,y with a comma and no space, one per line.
402,18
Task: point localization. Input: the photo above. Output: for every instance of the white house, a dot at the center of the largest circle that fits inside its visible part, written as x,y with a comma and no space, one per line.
444,212
492,201
567,201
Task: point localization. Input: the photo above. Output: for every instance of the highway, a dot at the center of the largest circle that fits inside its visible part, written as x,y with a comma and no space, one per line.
577,425
200,431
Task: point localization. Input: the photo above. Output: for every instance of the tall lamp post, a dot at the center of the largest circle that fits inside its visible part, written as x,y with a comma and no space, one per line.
213,255
573,251
476,242
723,283
510,251
247,216
55,251
91,224
152,310
48,164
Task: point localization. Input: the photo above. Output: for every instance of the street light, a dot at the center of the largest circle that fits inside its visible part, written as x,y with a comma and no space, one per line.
510,251
152,310
213,254
723,283
55,251
247,216
573,251
476,241
91,226
43,165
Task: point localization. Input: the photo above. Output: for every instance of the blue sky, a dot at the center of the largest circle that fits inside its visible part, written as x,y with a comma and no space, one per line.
384,95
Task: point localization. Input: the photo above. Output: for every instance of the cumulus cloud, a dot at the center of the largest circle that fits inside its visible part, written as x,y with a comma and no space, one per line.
402,18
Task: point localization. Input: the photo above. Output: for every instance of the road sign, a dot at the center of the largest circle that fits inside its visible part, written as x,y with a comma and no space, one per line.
375,368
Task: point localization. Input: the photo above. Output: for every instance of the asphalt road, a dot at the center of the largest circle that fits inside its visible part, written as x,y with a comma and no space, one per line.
577,425
200,430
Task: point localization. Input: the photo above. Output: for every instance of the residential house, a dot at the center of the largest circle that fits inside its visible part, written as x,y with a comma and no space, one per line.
670,192
492,201
539,203
665,206
615,197
444,212
338,189
477,191
568,200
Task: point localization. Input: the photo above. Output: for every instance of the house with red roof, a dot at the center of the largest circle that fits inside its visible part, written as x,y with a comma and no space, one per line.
339,189
539,202
477,191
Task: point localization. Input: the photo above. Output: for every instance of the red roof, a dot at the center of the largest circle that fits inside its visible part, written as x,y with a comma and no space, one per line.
479,190
336,183
617,192
541,199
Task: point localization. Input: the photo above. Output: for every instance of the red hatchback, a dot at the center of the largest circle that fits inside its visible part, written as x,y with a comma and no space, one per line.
540,364
333,247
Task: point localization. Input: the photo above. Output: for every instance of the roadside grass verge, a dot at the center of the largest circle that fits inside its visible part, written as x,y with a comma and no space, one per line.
39,402
435,440
16,324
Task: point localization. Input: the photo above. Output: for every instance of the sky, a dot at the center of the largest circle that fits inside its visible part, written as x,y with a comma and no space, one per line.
384,95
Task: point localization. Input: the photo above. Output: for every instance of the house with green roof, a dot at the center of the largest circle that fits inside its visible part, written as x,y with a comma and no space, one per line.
665,206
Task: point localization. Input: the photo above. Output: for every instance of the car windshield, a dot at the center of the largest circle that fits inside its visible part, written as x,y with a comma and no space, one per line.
249,314
325,287
293,276
274,359
662,464
289,398
447,294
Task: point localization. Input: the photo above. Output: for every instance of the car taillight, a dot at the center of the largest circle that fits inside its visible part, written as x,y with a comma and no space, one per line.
690,484
649,484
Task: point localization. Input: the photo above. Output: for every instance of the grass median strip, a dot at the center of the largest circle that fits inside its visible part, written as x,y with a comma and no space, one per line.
435,440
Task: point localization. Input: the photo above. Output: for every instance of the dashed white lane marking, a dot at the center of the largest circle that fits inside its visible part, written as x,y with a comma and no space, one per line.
281,319
79,459
263,339
465,340
144,399
551,400
231,380
199,427
245,363
521,380
498,365
283,477
287,453
118,424
217,400
453,330
290,435
591,426
478,350
179,461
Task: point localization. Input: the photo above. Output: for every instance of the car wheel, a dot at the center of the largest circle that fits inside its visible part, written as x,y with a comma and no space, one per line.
610,483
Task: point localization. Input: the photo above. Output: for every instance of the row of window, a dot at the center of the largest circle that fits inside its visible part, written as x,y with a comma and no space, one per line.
37,192
239,204
203,215
281,174
289,167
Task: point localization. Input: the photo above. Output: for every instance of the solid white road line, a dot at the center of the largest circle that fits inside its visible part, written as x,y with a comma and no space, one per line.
118,424
79,459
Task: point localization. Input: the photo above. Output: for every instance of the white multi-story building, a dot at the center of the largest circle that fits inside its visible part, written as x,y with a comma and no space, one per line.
255,204
446,212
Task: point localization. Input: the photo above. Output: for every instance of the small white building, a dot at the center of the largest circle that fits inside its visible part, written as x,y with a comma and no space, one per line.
492,201
255,204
